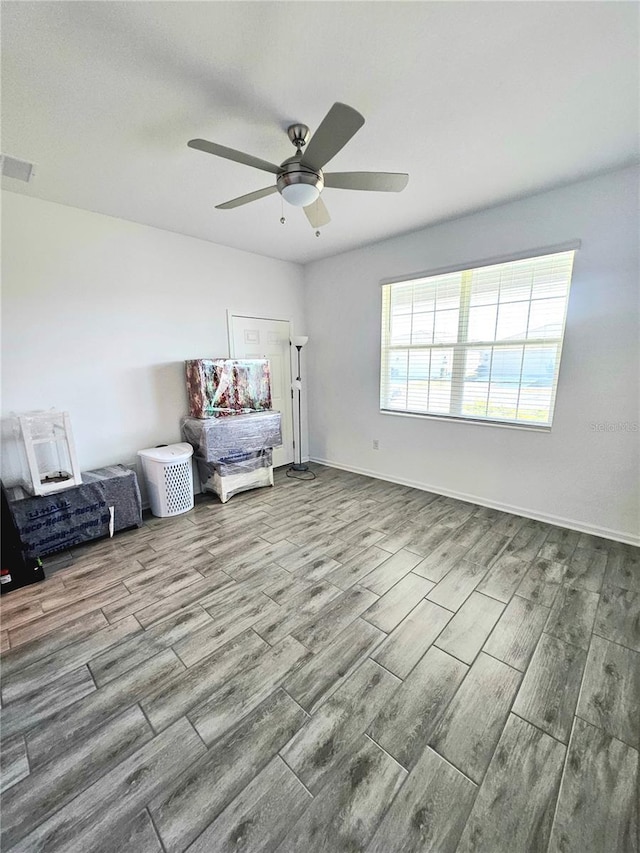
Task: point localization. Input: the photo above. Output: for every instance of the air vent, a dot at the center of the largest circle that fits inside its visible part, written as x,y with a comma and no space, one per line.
18,169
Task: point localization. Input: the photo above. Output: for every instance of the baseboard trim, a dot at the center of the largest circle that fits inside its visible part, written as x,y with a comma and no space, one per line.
570,523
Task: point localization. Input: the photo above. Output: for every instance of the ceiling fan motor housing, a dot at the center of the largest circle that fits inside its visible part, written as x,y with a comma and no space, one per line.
298,184
298,134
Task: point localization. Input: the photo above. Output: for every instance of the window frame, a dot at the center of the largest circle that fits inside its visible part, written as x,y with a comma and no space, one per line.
459,346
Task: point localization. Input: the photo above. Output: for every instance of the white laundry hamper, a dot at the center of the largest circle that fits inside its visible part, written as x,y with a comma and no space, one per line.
169,478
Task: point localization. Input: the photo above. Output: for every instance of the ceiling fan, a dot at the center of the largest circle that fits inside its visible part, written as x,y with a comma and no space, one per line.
299,178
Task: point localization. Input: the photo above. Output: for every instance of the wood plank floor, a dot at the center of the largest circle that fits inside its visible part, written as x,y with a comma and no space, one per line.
335,665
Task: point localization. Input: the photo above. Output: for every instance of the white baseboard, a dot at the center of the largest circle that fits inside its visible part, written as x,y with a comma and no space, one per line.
572,524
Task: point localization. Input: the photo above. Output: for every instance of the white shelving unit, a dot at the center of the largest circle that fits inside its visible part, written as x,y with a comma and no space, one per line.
51,461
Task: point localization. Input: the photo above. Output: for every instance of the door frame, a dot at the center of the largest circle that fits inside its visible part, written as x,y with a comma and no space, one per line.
230,315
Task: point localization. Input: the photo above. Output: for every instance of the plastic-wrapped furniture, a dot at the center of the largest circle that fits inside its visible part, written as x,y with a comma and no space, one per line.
48,453
237,473
223,386
216,439
107,501
234,454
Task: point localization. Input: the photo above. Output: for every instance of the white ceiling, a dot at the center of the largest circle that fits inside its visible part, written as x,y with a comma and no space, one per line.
479,101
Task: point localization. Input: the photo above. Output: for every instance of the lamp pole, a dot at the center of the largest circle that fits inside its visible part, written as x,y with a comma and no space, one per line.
298,343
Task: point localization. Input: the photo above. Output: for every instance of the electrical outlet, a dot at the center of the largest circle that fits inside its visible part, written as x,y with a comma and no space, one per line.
376,444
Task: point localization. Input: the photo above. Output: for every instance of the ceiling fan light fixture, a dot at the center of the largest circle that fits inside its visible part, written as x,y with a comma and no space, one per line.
297,184
300,195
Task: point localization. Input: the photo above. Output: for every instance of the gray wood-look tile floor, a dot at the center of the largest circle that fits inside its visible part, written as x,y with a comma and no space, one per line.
340,664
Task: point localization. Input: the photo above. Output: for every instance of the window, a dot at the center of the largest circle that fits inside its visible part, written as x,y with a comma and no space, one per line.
477,344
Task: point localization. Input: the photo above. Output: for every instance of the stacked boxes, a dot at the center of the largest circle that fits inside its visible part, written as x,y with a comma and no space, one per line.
233,454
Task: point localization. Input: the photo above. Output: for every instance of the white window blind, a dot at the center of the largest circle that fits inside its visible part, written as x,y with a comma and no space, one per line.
479,344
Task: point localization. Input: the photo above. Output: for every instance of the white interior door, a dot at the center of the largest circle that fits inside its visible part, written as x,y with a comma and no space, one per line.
253,337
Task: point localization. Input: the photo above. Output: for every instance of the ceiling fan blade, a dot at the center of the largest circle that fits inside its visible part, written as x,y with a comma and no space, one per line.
336,129
245,199
317,214
232,154
386,182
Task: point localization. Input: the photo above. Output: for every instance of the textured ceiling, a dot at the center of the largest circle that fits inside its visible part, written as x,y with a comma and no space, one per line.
480,102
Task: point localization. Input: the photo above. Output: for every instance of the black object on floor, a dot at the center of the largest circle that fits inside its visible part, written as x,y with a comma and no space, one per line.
16,569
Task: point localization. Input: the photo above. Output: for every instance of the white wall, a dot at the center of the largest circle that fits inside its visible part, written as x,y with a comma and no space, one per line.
573,475
99,314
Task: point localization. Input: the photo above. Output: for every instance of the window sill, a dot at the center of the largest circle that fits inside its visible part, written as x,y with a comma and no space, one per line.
542,428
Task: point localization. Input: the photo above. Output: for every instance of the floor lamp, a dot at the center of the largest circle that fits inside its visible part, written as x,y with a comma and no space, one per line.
298,342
